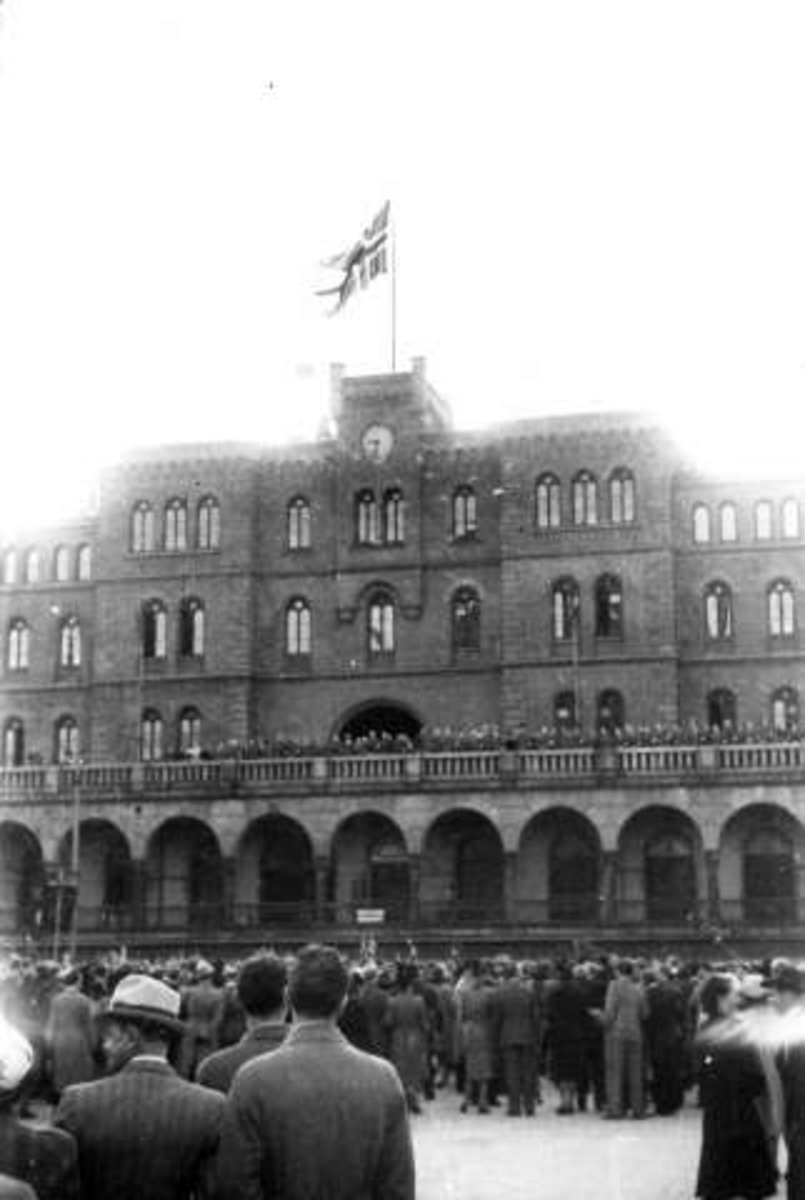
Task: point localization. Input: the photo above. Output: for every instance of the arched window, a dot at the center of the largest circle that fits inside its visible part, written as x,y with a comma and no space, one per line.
176,525
764,517
565,717
784,710
572,877
67,748
142,528
13,743
548,501
585,499
790,518
151,736
465,613
565,606
299,524
701,523
32,567
298,627
380,625
10,566
84,563
722,709
670,878
19,645
608,607
611,711
189,745
718,611
155,630
782,623
367,518
70,643
191,628
61,564
208,525
465,516
769,876
393,517
621,497
728,522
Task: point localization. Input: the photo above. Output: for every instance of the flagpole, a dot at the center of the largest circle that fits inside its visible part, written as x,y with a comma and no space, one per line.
393,294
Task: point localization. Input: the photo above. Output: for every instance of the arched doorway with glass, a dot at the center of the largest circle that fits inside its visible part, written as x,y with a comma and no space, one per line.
558,869
22,881
761,859
275,876
184,876
370,867
462,869
105,879
661,869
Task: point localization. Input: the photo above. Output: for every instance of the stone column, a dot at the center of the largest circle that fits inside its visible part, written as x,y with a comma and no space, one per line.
414,887
510,897
609,887
713,888
139,894
229,893
322,869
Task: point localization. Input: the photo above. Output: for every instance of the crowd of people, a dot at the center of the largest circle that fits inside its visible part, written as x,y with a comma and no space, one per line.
184,1077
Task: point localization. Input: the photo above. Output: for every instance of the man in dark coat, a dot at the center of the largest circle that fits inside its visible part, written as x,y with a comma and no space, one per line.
261,992
517,1033
317,1117
144,1131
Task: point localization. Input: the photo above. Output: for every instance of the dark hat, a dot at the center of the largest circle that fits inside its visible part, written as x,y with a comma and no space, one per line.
143,998
788,978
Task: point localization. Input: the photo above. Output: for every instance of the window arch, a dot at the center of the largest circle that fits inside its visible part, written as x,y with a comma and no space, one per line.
789,515
298,627
465,514
155,630
722,709
189,741
368,518
61,564
769,876
67,747
393,517
764,518
565,716
701,523
548,502
585,499
191,628
608,607
784,710
84,563
32,566
13,743
611,711
299,524
621,497
19,645
208,524
380,619
142,528
151,736
718,619
465,619
565,609
176,525
781,610
70,643
728,522
10,566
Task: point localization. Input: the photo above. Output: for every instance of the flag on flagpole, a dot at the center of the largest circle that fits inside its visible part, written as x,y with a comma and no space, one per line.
363,262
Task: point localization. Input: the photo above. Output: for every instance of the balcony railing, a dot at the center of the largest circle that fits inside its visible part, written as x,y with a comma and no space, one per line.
435,769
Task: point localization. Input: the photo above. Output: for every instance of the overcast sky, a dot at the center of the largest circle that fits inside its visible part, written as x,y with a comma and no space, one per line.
598,206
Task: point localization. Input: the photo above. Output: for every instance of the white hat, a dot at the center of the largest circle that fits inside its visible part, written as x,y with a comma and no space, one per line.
16,1057
754,987
142,998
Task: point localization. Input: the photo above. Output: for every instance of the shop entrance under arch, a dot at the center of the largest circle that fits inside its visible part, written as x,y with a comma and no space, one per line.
381,718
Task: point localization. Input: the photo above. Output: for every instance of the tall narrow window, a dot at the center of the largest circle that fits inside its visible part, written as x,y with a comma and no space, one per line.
368,518
189,733
728,522
84,563
61,564
67,744
191,628
585,499
151,740
718,611
299,524
782,622
763,520
785,710
722,709
176,525
621,497
465,612
155,630
32,569
10,566
465,516
608,607
790,518
19,645
393,517
548,502
14,743
565,603
297,628
611,711
142,528
208,524
701,523
380,625
70,643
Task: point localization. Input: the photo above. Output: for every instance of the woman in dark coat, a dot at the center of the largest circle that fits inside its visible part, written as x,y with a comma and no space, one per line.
735,1158
408,1026
566,1013
665,1043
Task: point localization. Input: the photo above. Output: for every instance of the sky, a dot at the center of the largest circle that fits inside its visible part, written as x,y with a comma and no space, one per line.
597,206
